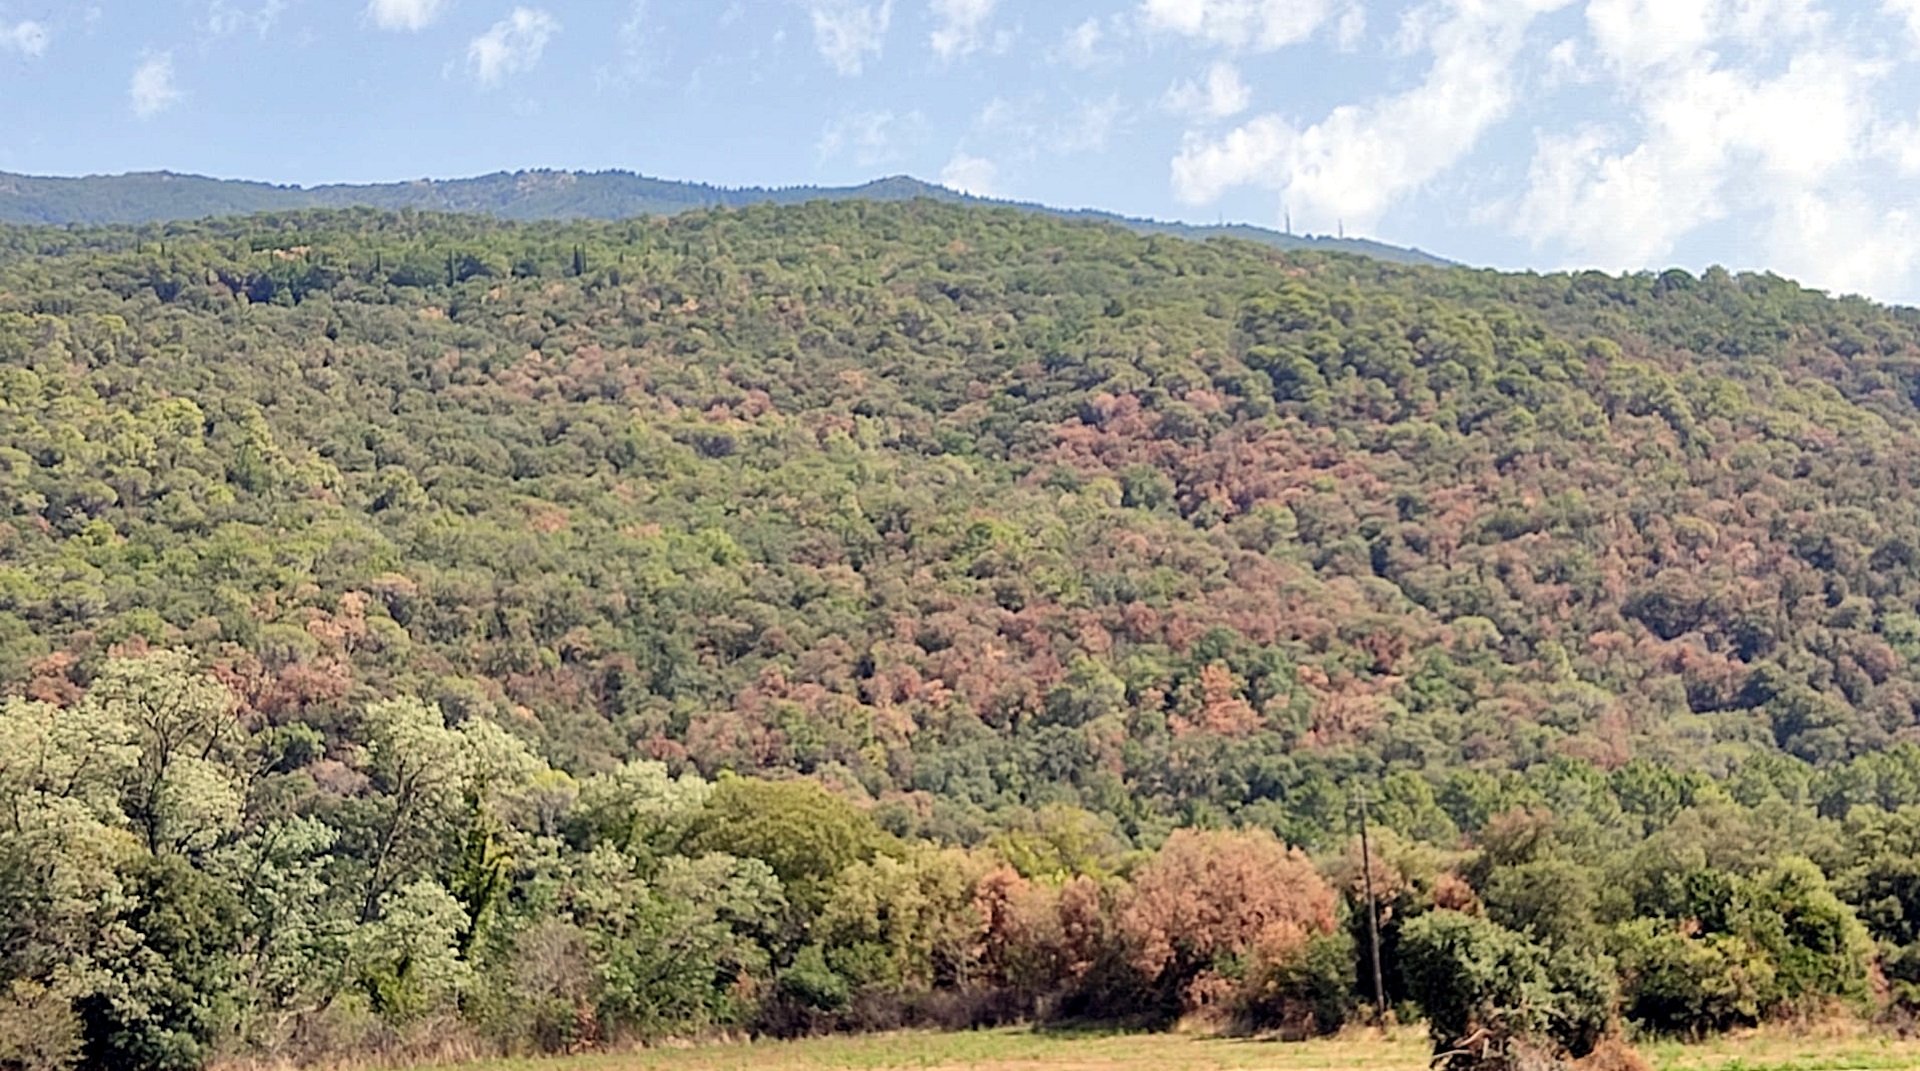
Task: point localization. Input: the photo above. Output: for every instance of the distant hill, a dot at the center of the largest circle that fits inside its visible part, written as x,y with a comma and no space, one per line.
160,196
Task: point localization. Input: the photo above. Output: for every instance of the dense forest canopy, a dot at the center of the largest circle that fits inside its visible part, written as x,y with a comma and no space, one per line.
491,583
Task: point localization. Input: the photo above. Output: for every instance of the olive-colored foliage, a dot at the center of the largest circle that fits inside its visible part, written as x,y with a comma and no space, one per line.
1490,994
1301,991
672,953
1725,949
905,926
805,834
38,1029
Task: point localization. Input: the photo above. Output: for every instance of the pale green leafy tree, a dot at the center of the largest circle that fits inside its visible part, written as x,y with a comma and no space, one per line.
410,957
63,837
640,807
672,952
433,778
449,797
188,788
296,927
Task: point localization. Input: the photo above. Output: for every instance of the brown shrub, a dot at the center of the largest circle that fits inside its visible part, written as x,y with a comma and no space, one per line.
1039,938
1211,895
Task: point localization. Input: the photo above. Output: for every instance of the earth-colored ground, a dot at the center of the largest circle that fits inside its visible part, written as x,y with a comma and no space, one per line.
1020,1050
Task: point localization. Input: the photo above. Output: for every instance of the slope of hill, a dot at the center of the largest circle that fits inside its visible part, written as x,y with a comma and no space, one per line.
531,195
485,553
878,468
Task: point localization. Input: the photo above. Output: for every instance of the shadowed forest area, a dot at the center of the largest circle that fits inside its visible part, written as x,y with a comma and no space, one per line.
838,617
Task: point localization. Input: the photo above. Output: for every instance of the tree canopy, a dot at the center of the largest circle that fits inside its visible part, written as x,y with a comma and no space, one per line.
843,614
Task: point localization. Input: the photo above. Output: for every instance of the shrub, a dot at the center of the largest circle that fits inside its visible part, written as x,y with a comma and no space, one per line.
1494,999
1209,901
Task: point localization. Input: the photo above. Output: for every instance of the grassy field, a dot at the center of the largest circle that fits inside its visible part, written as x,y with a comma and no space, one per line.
1019,1050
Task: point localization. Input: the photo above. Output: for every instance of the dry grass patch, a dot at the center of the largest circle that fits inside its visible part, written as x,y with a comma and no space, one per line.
1023,1050
1017,1050
1849,1049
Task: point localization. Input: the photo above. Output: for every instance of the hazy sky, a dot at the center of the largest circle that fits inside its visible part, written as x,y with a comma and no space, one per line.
1779,134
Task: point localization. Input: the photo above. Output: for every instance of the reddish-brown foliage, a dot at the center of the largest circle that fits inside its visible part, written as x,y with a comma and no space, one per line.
1212,894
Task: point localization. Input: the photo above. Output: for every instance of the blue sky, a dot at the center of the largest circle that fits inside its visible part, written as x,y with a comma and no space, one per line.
1622,134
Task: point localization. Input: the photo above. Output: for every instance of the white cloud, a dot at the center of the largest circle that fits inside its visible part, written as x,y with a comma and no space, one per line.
1351,27
1091,127
1898,143
871,138
633,29
514,45
1783,150
411,16
847,32
27,37
971,174
152,89
1356,163
1621,209
1025,128
1254,25
1220,95
1844,243
1634,35
639,53
1081,48
225,17
1565,65
960,26
1765,22
1907,11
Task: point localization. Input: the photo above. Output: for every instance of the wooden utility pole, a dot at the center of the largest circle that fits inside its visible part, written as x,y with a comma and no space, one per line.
1373,911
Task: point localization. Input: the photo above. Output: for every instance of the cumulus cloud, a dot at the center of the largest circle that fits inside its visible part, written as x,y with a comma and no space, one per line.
1251,25
151,89
1220,94
1775,134
1352,26
1359,160
410,16
960,26
1788,149
1844,243
1635,35
26,37
971,174
848,32
512,46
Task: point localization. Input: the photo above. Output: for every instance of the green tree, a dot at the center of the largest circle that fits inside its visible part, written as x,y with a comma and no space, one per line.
803,833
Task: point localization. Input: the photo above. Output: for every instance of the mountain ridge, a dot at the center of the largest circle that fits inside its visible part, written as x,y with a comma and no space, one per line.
545,194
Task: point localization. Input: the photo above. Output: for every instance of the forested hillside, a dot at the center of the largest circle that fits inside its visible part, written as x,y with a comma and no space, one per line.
160,197
414,619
